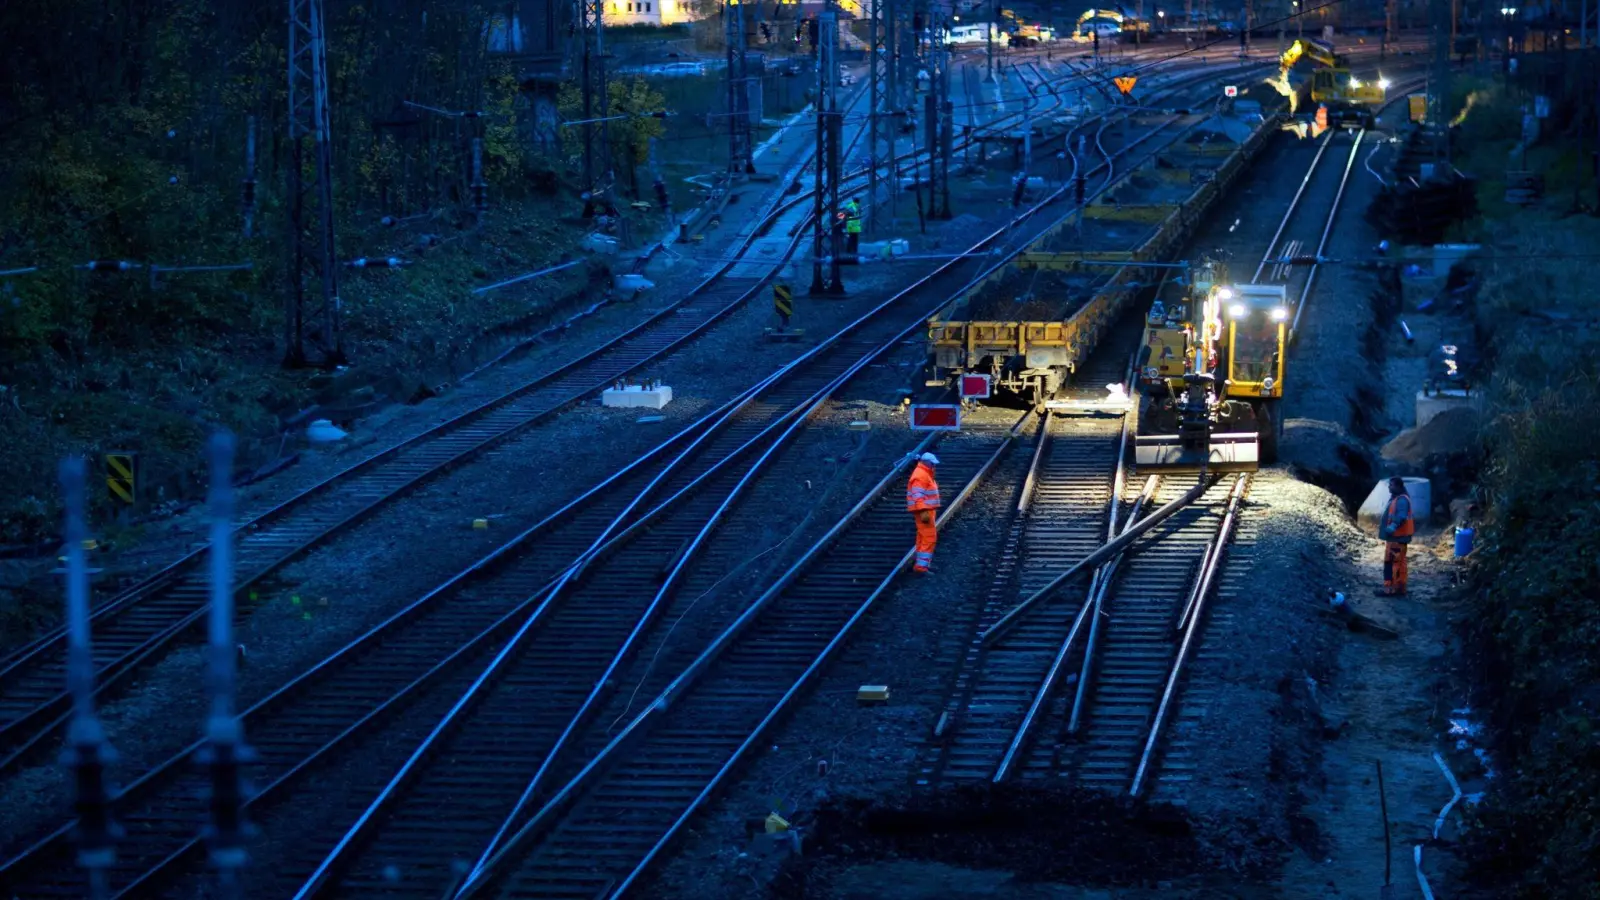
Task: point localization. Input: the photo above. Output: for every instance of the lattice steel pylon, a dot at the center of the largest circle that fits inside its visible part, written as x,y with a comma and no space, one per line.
1440,12
904,13
311,318
827,229
588,53
941,113
740,151
881,124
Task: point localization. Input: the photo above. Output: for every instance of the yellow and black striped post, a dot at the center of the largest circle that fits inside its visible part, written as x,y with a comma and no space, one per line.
783,302
121,481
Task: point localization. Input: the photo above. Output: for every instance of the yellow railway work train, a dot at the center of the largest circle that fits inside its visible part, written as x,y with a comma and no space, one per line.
1212,365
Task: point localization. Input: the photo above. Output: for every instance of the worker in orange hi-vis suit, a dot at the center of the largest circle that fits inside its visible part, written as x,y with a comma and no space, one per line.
922,500
1396,529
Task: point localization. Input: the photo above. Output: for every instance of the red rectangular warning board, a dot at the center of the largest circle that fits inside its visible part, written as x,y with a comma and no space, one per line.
974,387
936,417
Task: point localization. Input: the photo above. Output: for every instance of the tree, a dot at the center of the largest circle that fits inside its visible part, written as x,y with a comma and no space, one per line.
640,107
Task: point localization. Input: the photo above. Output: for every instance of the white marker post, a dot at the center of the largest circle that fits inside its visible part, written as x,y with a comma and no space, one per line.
225,749
87,752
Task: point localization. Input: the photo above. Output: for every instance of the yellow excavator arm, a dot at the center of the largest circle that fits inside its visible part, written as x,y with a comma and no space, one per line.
1318,52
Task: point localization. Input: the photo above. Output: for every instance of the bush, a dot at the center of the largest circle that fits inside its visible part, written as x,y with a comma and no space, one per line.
1534,627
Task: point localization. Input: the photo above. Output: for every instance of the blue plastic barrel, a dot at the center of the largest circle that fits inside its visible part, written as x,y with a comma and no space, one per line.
1464,535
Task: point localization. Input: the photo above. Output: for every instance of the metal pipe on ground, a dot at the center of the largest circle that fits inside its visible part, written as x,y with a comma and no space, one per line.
1106,551
1097,586
1207,579
1097,599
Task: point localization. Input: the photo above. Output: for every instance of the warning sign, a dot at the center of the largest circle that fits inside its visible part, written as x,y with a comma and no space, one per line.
936,417
974,387
120,480
783,301
1231,90
1125,83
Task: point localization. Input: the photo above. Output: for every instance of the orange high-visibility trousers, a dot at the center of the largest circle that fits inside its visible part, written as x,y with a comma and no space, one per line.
1394,568
927,536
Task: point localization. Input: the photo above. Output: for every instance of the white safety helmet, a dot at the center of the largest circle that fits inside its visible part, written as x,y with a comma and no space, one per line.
930,459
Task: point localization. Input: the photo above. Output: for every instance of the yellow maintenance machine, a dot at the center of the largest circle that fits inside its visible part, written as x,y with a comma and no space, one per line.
1350,100
1107,23
1211,376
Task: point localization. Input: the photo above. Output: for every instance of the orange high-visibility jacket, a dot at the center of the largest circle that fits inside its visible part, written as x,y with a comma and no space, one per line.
1398,526
922,492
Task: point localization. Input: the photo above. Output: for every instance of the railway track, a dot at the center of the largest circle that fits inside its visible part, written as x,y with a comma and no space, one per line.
603,843
1073,483
398,832
1130,725
142,622
333,703
1125,726
1082,686
582,849
340,708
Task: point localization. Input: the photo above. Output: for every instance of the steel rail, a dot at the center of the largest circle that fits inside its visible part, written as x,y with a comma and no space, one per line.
1090,611
298,767
1327,230
481,569
680,686
1111,548
1031,479
1294,203
322,879
566,791
1058,663
810,672
280,696
794,419
1096,601
1206,579
1305,292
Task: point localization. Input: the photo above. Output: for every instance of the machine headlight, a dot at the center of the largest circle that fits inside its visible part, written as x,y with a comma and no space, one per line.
1224,293
1237,310
1383,84
1279,314
1355,83
1266,384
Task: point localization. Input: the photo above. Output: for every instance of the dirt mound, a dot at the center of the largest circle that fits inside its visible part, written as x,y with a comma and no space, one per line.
1450,432
1325,454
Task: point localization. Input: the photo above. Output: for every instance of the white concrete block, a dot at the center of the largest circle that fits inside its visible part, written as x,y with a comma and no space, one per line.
323,431
634,395
633,282
1371,511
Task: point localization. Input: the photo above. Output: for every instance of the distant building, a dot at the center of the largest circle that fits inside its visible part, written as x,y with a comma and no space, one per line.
649,12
